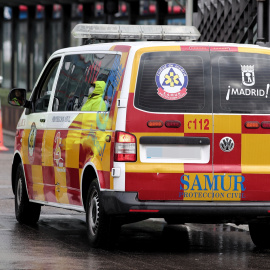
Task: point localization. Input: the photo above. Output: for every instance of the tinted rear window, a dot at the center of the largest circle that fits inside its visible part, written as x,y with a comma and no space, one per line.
174,82
241,82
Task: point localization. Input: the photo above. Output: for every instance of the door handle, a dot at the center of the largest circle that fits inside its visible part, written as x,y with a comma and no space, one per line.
42,120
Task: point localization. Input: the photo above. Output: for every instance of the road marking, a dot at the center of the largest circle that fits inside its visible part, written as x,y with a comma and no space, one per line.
5,186
3,228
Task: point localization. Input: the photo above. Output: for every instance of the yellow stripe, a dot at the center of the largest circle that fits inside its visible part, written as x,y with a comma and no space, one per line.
227,123
60,185
47,148
205,187
37,177
255,153
139,167
253,50
196,189
73,142
232,189
24,150
198,123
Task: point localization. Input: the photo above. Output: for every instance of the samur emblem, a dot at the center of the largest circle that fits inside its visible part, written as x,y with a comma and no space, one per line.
32,142
171,80
226,144
57,155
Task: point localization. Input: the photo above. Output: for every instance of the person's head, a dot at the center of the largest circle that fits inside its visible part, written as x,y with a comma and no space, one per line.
18,93
99,87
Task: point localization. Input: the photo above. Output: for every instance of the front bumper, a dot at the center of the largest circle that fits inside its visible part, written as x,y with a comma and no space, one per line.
127,204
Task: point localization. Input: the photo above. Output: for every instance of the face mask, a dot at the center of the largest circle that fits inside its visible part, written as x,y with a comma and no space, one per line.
91,90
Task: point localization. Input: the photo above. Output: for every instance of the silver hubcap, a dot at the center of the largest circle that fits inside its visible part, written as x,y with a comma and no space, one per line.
19,192
94,213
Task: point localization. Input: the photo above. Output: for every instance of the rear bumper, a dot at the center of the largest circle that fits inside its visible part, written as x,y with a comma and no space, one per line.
126,203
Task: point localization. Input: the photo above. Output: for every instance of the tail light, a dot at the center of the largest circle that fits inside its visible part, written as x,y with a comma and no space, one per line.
125,147
252,124
266,124
155,124
172,124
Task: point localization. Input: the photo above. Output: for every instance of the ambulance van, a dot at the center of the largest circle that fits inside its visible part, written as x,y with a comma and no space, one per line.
151,124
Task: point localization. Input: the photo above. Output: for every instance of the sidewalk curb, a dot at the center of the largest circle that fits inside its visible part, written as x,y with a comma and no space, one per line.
8,132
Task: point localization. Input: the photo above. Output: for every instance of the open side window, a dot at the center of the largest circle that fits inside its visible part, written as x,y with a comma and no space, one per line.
42,93
86,82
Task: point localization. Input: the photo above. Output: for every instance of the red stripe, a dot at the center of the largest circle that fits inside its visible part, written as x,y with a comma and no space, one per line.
143,211
104,179
223,49
49,183
260,119
154,186
194,48
257,187
122,48
139,123
229,162
72,177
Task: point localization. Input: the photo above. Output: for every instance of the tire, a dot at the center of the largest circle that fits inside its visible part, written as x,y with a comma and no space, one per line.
260,234
102,229
173,220
26,212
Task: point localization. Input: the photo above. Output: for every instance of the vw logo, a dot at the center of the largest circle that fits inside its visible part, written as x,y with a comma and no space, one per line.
226,144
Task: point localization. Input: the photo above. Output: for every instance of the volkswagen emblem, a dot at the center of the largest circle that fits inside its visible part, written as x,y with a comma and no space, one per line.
226,144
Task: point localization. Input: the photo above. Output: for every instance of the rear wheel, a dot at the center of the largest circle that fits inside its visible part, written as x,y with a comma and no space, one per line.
26,212
103,230
260,234
171,220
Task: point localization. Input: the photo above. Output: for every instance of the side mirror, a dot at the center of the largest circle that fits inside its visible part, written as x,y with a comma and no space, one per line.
17,97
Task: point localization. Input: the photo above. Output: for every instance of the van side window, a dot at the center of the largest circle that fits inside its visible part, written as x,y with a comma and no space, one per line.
44,89
84,82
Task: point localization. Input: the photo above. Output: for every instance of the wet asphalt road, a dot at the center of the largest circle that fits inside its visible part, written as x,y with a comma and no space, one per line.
59,241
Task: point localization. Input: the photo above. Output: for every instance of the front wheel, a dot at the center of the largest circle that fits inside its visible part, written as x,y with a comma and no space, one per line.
102,229
260,234
25,211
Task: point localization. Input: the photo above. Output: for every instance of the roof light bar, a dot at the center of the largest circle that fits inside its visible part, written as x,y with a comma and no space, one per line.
138,32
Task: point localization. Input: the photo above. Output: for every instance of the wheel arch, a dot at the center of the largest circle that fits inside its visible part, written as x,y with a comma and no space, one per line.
16,161
89,174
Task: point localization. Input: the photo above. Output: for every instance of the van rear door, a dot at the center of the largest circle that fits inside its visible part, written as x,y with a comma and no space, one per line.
170,112
241,123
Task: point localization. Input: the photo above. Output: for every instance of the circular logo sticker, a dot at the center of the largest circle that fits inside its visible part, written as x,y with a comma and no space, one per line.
172,81
32,142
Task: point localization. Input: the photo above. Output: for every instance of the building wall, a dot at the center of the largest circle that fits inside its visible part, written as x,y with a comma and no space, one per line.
32,33
227,20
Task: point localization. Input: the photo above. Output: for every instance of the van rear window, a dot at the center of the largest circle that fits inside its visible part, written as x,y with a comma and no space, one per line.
241,82
174,82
